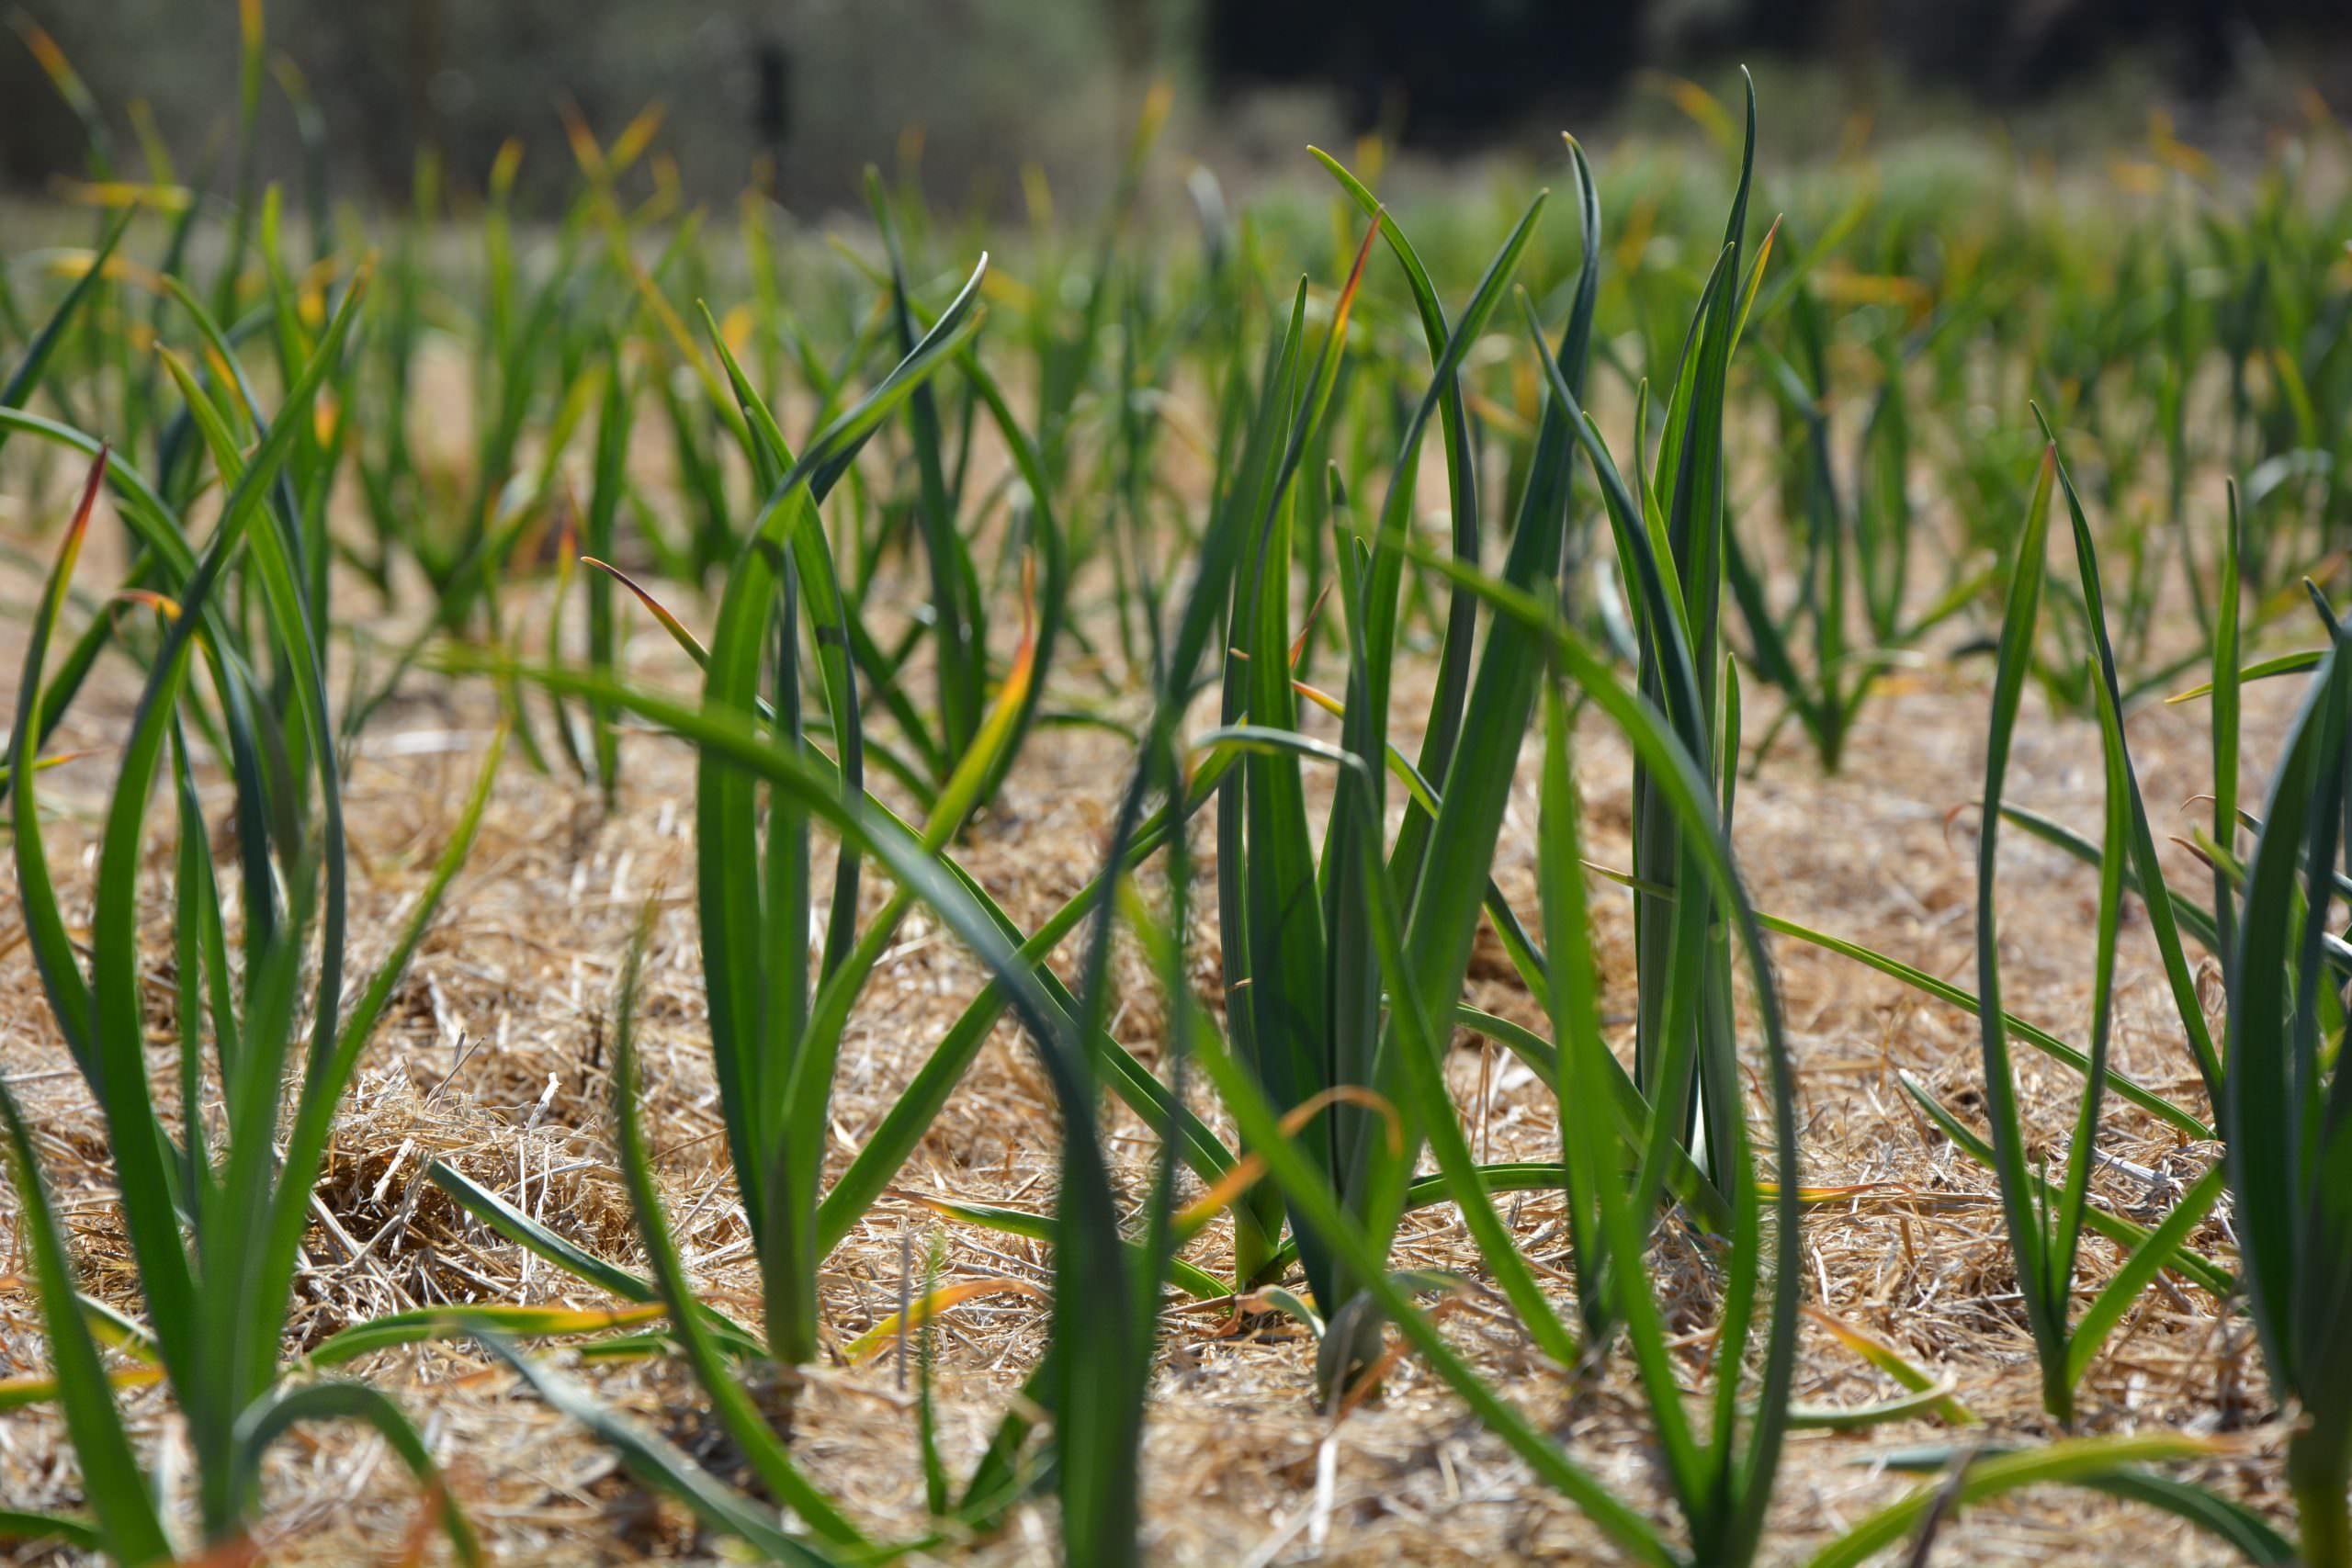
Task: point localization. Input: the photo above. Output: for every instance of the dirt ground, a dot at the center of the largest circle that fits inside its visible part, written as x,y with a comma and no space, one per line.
494,1056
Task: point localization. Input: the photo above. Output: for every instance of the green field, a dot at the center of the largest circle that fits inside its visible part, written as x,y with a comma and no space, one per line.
1221,879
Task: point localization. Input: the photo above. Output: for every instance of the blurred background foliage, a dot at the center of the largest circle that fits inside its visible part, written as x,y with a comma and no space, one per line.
970,93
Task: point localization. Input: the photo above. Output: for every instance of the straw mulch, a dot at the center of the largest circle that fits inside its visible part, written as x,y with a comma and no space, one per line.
495,1057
